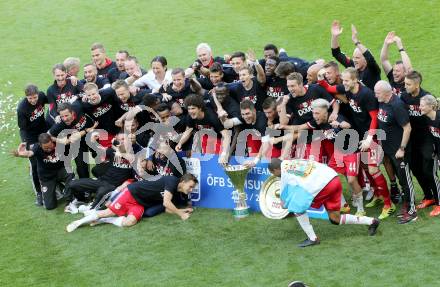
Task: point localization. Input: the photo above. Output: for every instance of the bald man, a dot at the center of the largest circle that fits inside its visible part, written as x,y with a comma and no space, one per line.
393,119
312,73
363,60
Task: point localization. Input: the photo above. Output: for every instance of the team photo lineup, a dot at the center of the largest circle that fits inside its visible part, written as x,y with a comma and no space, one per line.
127,125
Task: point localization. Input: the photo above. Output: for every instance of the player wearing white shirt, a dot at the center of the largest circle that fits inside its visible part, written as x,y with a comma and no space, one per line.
305,184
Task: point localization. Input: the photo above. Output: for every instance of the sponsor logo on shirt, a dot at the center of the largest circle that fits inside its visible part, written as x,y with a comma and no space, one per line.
414,111
121,163
330,134
101,110
275,92
305,108
200,127
252,98
435,131
354,105
382,116
126,106
80,124
51,158
38,112
64,97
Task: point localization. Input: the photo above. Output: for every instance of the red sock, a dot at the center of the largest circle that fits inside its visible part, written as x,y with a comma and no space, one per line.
381,187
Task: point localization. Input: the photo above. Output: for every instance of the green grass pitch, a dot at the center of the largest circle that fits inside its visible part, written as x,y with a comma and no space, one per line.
210,249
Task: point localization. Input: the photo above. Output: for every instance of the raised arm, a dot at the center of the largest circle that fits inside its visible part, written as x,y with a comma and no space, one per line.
22,151
404,56
386,65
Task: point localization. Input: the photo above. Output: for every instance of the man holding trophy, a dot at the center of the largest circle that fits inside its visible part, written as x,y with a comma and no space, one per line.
305,184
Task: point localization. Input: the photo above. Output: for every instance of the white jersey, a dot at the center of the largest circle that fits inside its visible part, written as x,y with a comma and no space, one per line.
310,175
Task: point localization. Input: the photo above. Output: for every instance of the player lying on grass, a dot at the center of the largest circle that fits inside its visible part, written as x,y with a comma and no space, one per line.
127,209
305,184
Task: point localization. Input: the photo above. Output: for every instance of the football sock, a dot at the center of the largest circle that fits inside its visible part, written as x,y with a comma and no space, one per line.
353,219
303,220
113,220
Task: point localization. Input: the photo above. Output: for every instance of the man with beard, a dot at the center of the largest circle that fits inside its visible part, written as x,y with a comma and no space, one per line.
91,76
395,74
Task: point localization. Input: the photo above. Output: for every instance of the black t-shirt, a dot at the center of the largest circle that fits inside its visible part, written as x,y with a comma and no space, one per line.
177,96
57,95
260,124
48,164
148,193
229,74
230,105
101,81
392,116
369,76
209,121
360,104
113,74
108,66
328,132
118,171
257,94
398,88
165,166
103,113
31,119
80,123
300,108
419,123
276,87
434,128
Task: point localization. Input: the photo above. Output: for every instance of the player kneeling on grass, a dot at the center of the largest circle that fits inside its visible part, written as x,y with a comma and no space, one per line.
306,183
130,203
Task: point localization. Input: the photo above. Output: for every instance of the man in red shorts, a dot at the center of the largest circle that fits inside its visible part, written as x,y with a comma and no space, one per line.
129,205
305,184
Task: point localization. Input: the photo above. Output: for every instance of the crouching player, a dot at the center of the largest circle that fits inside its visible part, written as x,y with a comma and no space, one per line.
129,205
306,183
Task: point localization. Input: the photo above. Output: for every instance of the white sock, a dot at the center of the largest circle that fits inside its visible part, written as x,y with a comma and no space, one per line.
112,220
359,201
353,219
303,220
343,202
89,218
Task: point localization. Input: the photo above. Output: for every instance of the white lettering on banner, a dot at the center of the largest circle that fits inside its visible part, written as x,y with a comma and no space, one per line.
193,167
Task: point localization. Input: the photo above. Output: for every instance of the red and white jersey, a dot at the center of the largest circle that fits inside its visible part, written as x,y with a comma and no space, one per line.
308,174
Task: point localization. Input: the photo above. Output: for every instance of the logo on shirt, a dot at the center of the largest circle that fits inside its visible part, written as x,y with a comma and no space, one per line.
200,127
275,92
382,116
80,124
102,109
304,108
38,112
126,106
435,131
120,162
252,98
51,158
64,98
355,107
414,111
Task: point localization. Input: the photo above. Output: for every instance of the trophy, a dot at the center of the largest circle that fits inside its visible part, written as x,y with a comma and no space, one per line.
270,202
237,174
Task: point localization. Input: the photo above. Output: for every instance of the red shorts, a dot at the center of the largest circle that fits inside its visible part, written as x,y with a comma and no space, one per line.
373,156
346,164
125,204
211,145
329,196
322,151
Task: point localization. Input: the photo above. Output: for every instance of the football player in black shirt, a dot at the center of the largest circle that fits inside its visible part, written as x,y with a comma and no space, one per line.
91,76
363,61
429,108
72,118
31,122
396,73
102,62
201,119
51,169
393,119
129,205
115,73
63,90
420,148
249,87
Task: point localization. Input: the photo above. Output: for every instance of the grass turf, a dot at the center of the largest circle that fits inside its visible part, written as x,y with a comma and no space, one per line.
211,248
